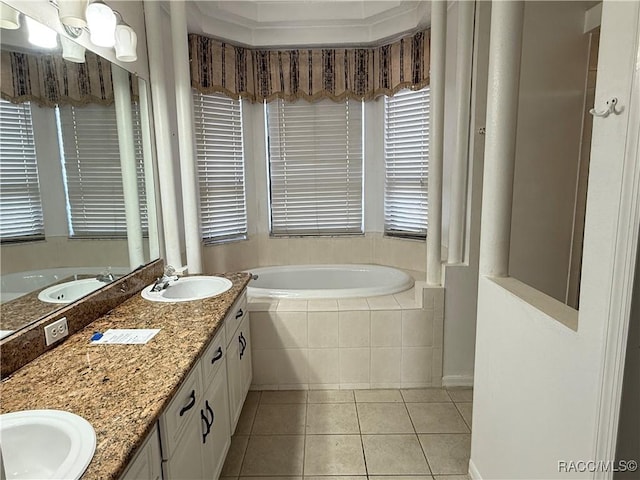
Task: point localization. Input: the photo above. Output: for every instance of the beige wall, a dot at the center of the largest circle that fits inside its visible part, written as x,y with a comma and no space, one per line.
262,250
64,252
552,88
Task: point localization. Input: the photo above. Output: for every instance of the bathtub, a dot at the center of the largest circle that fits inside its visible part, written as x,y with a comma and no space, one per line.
14,285
327,281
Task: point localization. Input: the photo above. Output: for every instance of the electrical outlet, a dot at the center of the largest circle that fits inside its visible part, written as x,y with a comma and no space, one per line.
56,331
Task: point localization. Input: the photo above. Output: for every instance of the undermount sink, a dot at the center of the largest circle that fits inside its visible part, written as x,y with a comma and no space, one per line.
70,291
186,289
45,444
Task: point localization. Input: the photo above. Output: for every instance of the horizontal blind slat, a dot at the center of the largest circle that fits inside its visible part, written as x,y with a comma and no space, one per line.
220,160
20,202
315,167
406,147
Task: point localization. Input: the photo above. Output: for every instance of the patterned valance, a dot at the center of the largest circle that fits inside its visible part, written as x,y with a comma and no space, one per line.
49,80
310,74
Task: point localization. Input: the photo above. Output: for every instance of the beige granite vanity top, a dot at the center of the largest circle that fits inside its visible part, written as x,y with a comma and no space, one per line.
121,389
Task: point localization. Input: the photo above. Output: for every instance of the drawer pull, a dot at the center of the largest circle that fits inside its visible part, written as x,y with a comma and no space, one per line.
190,405
243,344
208,423
239,313
218,356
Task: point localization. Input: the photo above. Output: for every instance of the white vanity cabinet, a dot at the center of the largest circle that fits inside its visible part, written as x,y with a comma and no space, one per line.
194,432
195,429
147,463
239,369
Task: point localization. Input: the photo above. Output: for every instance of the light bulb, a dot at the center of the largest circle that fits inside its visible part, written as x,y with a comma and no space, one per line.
126,42
102,24
41,35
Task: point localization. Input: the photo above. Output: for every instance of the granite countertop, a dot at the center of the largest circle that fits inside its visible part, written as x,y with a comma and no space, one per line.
121,389
26,309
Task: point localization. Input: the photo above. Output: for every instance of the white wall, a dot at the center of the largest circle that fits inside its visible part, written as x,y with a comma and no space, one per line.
538,383
461,281
628,447
552,86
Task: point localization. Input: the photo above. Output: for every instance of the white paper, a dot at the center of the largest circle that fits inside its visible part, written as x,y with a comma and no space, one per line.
126,336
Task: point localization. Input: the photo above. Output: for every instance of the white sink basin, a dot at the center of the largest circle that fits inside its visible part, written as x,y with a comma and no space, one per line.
187,289
70,291
43,444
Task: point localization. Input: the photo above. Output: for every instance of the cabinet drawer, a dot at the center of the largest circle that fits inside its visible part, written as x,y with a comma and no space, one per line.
184,408
213,357
236,315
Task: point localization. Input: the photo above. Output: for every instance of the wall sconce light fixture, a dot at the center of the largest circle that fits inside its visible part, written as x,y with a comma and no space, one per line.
9,17
105,26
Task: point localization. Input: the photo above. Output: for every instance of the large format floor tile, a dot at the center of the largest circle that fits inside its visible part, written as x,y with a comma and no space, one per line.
394,455
233,462
352,435
279,419
332,418
425,395
436,418
461,394
333,455
378,396
384,418
447,453
273,455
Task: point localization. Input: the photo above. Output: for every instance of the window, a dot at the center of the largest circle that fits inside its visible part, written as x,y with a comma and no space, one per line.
220,155
315,167
406,154
20,203
90,156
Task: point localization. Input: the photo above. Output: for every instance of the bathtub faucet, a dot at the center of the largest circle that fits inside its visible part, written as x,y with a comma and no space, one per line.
105,276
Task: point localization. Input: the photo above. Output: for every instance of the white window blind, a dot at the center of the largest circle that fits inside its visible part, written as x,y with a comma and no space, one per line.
315,166
406,153
218,124
93,175
20,203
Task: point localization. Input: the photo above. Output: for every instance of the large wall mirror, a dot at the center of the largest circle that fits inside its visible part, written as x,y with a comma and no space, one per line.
77,197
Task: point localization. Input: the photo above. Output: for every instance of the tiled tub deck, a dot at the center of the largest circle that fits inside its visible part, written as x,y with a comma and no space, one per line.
392,341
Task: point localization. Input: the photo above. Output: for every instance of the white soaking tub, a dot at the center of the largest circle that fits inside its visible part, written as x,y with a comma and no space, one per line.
327,281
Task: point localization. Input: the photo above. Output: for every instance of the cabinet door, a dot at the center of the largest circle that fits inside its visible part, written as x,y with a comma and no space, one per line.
246,368
186,461
216,432
147,463
234,376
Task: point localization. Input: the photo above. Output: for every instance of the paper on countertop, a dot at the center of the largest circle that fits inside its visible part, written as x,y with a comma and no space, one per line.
126,336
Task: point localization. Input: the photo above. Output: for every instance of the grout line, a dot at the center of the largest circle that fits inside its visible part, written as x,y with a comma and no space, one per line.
364,455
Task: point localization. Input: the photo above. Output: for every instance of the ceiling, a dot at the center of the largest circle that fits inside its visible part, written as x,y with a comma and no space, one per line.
306,22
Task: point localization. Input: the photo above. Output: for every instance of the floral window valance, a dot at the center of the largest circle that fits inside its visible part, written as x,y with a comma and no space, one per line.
49,80
310,74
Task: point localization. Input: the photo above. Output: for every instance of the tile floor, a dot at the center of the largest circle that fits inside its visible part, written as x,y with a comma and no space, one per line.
379,434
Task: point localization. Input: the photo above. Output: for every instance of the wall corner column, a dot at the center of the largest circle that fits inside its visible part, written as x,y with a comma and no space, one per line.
184,113
436,141
459,175
505,49
168,200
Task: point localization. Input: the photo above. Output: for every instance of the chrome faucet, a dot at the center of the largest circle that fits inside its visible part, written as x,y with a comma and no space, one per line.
166,279
105,276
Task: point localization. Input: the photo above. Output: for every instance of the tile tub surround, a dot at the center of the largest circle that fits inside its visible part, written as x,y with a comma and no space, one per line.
21,348
121,389
389,341
342,432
